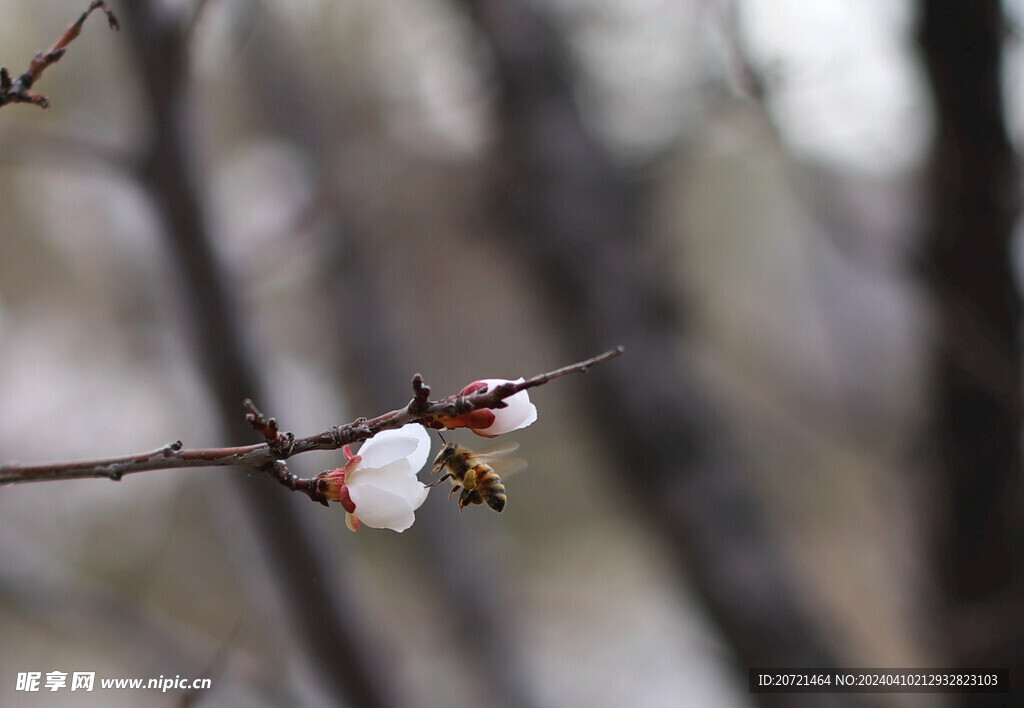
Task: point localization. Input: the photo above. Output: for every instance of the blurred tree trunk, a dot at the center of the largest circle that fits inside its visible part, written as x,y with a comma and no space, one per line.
342,657
578,219
974,204
377,360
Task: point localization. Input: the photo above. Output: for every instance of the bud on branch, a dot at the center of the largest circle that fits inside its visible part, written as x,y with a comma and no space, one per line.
270,456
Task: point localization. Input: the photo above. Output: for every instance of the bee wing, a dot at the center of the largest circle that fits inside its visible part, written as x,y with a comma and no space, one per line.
498,449
508,466
496,456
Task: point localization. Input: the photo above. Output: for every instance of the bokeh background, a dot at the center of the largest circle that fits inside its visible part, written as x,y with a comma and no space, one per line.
799,218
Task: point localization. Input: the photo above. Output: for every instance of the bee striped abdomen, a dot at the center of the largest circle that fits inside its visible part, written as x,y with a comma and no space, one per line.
490,488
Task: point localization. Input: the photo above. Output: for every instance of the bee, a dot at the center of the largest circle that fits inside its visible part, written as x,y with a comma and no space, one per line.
472,472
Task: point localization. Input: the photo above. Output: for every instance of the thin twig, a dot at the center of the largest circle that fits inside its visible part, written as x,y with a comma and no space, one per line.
577,368
17,91
279,446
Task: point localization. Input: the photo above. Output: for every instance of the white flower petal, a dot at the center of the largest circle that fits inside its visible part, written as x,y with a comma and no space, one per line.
518,413
367,475
383,486
381,509
419,457
398,479
391,445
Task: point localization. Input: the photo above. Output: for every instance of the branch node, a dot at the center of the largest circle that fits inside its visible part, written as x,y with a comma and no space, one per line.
421,395
311,488
284,445
267,427
112,21
279,471
335,435
280,443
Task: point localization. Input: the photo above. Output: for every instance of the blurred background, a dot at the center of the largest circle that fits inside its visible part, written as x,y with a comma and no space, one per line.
799,218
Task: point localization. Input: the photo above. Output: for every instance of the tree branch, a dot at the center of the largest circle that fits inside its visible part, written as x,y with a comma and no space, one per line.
17,91
279,446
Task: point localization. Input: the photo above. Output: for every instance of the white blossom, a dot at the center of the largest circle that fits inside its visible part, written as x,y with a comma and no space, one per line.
379,486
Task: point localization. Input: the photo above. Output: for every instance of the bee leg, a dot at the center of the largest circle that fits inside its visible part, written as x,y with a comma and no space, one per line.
437,482
452,492
469,496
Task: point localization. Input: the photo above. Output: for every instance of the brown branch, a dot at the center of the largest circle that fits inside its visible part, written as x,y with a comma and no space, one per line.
279,446
17,91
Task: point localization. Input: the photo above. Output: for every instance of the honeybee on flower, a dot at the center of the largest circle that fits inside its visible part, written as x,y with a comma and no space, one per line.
379,487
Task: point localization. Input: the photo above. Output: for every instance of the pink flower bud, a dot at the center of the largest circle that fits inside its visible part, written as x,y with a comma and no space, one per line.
518,412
